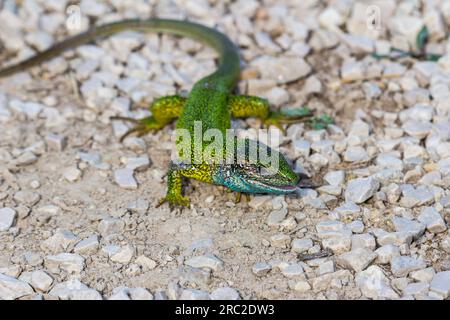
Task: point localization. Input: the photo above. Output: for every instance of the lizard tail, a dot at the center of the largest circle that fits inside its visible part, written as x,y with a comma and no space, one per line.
229,64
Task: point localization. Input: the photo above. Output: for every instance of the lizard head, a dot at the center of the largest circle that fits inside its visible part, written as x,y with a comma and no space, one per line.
252,174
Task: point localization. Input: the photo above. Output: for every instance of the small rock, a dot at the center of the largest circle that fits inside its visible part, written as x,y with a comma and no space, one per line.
261,268
137,163
26,158
194,294
125,179
11,288
225,293
357,259
386,253
33,258
62,240
416,289
72,174
282,70
145,263
87,245
326,267
110,226
27,198
70,262
365,241
440,284
195,275
302,286
140,206
414,228
280,240
292,270
360,189
276,217
74,290
424,275
335,178
123,255
41,281
374,284
7,218
403,265
433,221
205,261
56,142
301,245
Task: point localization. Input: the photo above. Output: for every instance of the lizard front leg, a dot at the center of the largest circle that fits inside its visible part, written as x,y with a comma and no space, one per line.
174,195
164,110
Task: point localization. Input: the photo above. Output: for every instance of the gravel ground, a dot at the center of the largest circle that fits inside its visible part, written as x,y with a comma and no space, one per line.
77,208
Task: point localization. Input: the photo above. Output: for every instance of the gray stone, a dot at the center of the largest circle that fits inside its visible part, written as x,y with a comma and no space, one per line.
357,259
337,245
414,228
123,255
417,288
41,281
26,159
110,226
87,245
348,210
360,189
194,294
403,265
195,275
441,284
27,198
292,270
56,142
276,217
424,275
33,258
282,69
386,253
225,293
365,241
326,267
261,268
7,218
433,221
74,290
206,261
125,179
11,288
301,245
70,262
62,240
72,174
374,284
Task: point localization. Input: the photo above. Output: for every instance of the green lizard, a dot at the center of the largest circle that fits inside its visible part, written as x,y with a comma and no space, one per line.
210,103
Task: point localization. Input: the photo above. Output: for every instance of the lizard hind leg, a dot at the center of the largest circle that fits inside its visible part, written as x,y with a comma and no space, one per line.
142,126
243,106
164,110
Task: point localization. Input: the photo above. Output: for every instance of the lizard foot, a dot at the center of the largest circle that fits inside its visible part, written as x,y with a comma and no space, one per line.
175,201
142,126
